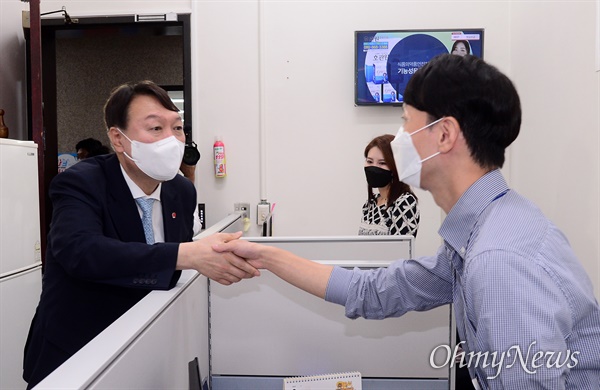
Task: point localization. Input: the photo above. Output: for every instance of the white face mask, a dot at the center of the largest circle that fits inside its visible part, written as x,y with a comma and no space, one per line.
407,158
160,160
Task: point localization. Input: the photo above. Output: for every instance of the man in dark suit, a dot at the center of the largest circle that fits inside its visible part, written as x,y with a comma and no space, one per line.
105,251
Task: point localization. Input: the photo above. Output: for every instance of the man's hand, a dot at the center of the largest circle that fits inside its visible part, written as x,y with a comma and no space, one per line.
225,268
308,275
244,249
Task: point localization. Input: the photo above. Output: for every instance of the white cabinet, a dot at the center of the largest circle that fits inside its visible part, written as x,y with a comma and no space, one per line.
20,254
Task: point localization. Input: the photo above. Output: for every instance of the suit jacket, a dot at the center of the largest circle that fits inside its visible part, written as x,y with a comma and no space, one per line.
98,264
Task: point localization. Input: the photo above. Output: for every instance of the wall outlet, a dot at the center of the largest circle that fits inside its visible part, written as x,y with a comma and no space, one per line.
243,209
262,211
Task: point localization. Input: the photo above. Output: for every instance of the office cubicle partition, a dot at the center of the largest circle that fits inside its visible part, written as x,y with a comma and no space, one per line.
252,334
264,329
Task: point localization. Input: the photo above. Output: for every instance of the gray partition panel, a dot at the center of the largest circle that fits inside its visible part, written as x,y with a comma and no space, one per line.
370,249
149,347
266,327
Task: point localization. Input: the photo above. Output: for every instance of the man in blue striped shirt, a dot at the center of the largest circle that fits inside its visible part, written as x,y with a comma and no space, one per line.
524,305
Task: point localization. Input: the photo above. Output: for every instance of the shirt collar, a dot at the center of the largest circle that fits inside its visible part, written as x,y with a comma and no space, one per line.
460,221
136,191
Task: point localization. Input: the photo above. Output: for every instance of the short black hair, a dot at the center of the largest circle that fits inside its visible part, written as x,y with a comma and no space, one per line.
88,144
93,146
116,108
103,149
480,97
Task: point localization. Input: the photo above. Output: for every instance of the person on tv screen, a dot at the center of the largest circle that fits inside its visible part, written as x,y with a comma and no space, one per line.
393,210
525,307
461,48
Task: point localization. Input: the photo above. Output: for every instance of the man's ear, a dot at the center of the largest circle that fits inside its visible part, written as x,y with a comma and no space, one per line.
116,139
449,134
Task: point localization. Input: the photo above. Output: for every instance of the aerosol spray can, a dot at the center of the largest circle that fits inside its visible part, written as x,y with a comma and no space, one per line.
220,161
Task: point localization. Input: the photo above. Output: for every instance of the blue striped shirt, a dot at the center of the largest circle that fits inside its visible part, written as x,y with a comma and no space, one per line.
524,304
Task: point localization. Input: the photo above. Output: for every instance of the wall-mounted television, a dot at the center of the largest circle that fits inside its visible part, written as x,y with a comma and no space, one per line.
386,59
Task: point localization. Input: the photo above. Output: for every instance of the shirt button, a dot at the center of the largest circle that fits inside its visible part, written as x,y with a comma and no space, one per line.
462,251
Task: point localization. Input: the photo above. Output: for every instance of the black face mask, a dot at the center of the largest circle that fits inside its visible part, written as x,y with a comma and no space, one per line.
378,177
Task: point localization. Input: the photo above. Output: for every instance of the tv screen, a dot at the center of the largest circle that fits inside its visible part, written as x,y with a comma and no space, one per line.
386,59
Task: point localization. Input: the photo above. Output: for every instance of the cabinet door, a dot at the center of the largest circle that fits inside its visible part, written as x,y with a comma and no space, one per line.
19,296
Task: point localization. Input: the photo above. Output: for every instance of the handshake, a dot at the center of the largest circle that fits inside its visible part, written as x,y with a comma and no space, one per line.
222,257
226,259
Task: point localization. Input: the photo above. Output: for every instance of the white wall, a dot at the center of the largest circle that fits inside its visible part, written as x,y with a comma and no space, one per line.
303,92
13,74
280,74
556,159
